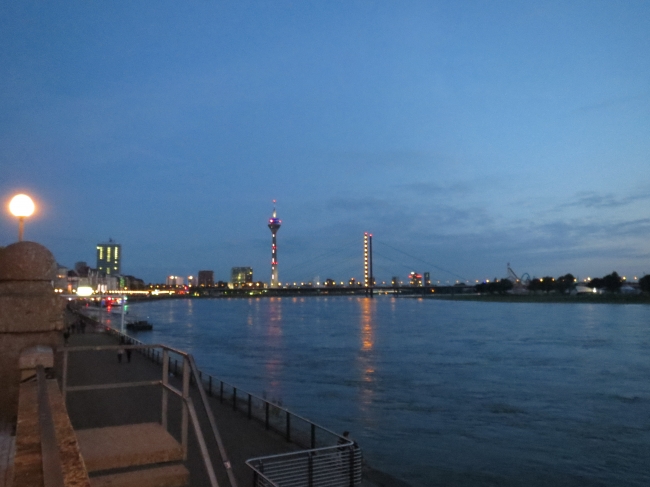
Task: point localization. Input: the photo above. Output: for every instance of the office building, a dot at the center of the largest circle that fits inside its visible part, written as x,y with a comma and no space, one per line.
174,281
206,278
415,279
109,258
241,275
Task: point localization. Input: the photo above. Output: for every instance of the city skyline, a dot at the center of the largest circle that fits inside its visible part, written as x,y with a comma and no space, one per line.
462,136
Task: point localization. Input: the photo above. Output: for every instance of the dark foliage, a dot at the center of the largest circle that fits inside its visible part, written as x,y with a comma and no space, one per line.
495,287
644,283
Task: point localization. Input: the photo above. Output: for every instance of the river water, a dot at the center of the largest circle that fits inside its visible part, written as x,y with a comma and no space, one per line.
442,392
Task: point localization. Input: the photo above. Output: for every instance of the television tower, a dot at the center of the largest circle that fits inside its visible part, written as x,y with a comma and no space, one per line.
274,225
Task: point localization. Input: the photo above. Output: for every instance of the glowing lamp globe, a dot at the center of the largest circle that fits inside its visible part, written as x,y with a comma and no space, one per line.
21,205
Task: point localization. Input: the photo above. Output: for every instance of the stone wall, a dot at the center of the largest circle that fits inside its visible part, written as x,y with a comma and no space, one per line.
31,313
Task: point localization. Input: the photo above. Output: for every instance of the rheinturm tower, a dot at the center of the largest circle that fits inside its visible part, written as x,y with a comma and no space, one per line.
274,225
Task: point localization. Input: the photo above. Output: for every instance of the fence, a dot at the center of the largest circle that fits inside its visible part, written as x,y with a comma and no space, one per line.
329,460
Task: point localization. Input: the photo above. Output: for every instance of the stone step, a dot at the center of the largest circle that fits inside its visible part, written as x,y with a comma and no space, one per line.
127,446
165,476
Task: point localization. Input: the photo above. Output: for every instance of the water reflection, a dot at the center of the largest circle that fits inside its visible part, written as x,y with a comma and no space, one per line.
366,355
273,365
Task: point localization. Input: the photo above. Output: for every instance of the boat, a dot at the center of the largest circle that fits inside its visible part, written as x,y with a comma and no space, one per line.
140,325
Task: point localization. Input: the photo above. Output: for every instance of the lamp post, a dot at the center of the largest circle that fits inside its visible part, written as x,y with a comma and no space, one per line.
21,206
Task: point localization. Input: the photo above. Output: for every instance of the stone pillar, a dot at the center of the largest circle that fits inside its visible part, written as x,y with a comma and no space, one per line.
31,314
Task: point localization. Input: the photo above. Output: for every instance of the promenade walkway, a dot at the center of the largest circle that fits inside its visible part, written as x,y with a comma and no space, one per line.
242,438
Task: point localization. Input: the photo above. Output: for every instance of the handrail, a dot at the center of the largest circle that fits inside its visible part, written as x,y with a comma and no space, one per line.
52,470
213,423
338,465
185,354
188,403
343,444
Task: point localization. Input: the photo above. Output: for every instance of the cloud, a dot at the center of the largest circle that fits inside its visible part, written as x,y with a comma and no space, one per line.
426,188
612,102
594,205
592,199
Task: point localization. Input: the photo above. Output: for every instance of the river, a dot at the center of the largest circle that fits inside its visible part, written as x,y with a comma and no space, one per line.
442,392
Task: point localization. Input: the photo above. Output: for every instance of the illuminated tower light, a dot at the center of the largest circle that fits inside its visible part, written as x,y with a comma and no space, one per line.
367,260
274,226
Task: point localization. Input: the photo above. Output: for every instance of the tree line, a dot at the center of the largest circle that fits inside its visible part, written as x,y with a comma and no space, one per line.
563,284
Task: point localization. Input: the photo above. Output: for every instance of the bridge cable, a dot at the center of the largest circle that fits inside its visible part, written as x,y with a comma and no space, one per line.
424,261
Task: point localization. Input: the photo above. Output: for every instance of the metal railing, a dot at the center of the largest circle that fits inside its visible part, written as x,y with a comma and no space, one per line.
161,353
328,453
320,467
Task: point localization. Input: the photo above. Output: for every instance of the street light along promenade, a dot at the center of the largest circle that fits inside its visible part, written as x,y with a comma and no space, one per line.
21,206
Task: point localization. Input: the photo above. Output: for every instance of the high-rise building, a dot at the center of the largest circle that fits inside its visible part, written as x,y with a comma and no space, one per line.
415,279
241,275
274,225
174,281
109,258
427,279
206,278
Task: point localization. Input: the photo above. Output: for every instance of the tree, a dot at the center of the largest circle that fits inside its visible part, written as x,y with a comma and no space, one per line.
644,283
613,282
494,287
565,283
596,282
546,284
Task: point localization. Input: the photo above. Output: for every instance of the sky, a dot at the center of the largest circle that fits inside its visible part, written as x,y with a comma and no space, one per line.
462,135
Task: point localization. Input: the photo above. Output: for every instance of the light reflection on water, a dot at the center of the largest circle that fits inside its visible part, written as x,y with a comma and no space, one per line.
439,392
366,364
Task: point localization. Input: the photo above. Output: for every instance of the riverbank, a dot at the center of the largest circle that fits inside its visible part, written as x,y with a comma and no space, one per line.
548,298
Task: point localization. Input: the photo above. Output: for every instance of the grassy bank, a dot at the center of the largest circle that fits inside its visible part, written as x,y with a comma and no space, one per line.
548,298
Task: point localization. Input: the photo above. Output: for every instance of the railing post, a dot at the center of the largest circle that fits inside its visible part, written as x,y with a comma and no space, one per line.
186,395
351,449
210,385
313,435
221,392
288,426
310,469
234,399
266,419
165,392
250,406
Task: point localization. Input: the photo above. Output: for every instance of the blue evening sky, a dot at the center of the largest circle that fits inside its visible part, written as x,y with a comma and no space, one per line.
463,135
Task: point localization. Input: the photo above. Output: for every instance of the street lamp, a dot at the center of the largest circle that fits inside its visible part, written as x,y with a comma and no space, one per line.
21,206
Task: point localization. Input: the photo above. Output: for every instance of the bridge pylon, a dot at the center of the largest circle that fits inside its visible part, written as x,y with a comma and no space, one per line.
368,278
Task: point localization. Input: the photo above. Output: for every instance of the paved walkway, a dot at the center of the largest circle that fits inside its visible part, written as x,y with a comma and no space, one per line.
243,438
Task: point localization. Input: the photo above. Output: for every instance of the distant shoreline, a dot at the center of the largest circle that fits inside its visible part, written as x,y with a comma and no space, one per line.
487,298
548,298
